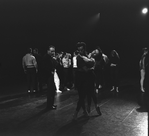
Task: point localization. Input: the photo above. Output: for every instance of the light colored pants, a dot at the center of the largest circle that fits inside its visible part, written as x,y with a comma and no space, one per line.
56,80
142,74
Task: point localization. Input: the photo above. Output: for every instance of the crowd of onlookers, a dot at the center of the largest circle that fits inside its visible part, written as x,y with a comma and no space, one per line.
66,67
85,72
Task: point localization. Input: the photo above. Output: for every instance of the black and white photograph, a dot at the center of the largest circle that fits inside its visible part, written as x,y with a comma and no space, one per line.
74,67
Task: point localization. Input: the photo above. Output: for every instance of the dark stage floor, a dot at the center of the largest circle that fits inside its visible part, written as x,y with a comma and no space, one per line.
26,116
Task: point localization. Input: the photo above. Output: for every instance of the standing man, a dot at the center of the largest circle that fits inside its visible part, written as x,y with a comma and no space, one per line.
49,66
30,68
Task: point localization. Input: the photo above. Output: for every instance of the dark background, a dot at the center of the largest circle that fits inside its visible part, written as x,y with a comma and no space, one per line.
39,23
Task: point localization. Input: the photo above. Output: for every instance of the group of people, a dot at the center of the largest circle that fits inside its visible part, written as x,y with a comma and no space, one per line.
33,65
86,72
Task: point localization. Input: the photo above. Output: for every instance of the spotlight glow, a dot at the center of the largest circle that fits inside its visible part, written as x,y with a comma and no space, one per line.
144,10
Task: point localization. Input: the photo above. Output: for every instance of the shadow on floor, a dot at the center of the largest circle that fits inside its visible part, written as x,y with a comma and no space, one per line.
73,128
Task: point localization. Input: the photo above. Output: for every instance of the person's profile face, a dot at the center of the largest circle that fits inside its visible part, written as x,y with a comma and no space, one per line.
51,51
95,53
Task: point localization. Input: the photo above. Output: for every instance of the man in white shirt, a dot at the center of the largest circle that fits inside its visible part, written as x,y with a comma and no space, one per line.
30,68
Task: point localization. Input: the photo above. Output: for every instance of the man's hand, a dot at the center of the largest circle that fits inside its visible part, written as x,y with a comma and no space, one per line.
142,90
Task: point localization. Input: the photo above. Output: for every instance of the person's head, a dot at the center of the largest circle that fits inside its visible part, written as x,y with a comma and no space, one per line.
96,52
81,47
51,50
145,50
35,51
113,53
29,50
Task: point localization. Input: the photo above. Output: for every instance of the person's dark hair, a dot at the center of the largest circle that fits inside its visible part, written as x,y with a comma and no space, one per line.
99,49
99,56
115,53
79,44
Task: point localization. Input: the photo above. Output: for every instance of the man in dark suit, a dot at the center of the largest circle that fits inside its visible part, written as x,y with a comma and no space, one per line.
49,66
